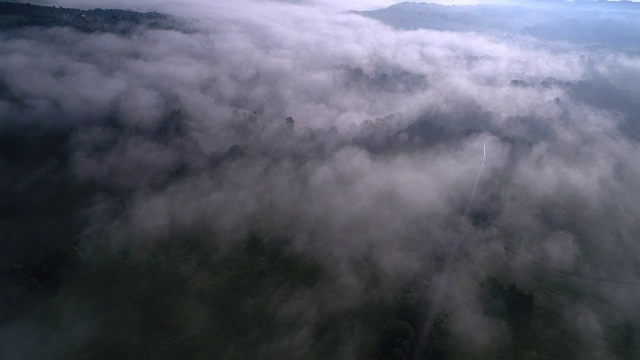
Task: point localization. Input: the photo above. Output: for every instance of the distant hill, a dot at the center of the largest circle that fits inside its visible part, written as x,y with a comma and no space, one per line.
605,25
18,15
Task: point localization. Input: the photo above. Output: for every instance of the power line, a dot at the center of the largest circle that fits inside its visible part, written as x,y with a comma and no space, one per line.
565,273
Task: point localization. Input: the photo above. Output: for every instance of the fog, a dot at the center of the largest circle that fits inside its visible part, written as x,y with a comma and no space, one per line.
355,143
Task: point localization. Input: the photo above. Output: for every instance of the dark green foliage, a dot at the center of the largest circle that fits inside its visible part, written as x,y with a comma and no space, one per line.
535,330
38,218
398,335
439,344
172,126
27,285
17,15
409,308
482,218
188,300
396,340
508,303
378,330
290,122
398,81
622,339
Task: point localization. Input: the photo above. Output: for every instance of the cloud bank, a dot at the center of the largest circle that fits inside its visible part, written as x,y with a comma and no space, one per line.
357,143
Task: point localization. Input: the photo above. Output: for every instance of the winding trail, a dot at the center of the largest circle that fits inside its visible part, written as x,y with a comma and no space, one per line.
421,345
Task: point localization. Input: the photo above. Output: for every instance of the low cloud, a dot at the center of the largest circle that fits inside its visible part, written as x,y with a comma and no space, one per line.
358,143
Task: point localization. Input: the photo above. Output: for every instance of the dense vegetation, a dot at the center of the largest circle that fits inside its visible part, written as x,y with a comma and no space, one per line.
18,15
